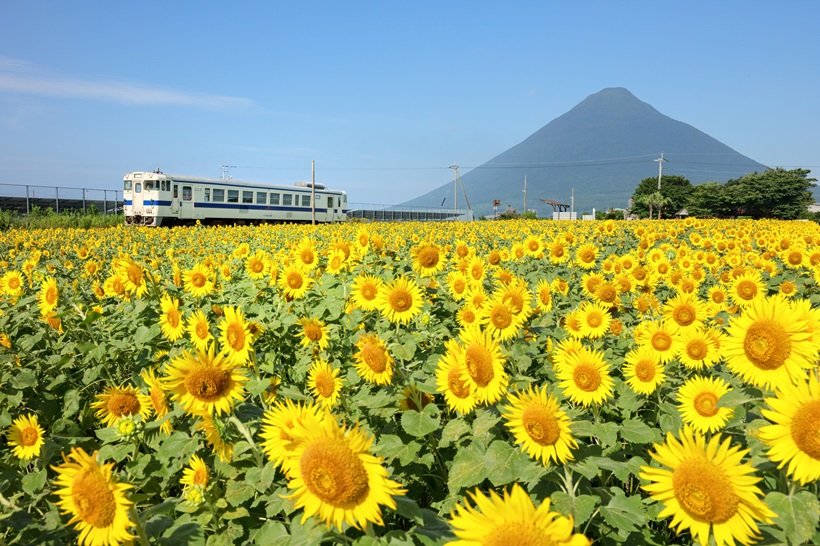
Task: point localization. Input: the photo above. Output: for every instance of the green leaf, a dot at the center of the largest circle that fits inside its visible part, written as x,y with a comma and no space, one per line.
238,492
23,379
422,423
797,515
638,432
34,482
499,461
468,468
624,513
580,507
453,431
261,478
272,532
392,447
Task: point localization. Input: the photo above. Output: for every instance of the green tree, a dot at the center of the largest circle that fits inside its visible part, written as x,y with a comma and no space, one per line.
676,189
774,193
710,200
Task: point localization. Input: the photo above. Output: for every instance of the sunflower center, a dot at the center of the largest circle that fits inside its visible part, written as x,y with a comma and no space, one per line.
135,274
557,251
541,424
459,286
368,291
767,344
746,289
479,364
93,498
123,404
501,317
307,256
51,295
515,301
236,336
805,428
587,255
400,300
516,533
208,384
13,283
795,258
661,341
313,332
606,293
645,370
257,266
704,491
696,349
172,316
718,296
325,384
200,476
294,279
684,315
334,473
456,384
198,280
594,320
158,400
428,257
706,404
29,436
201,330
586,377
374,357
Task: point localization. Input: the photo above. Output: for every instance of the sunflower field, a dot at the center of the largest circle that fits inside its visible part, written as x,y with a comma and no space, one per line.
511,383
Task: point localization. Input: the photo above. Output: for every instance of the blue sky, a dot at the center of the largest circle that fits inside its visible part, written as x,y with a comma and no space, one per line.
384,96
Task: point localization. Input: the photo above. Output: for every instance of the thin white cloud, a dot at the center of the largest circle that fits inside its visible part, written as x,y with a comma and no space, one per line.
20,77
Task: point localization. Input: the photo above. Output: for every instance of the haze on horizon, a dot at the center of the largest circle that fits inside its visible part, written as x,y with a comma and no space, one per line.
384,97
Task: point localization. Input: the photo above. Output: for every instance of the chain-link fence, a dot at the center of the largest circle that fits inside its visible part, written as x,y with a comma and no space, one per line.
26,198
398,213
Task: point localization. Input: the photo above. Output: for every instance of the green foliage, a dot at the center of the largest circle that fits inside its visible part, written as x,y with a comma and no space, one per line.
674,193
48,219
775,193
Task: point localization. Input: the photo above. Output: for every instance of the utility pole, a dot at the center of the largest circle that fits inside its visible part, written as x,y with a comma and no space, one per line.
455,187
660,161
525,194
313,191
226,173
571,203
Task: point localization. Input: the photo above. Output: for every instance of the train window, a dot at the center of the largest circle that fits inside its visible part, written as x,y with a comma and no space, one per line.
138,187
126,185
187,193
274,199
166,185
207,194
233,196
247,197
329,202
149,185
305,200
219,195
176,191
261,198
287,199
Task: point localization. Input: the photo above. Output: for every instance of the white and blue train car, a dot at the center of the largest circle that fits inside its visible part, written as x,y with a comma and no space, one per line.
156,198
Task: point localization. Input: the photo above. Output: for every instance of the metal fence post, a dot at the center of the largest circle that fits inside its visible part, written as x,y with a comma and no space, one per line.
57,198
83,200
28,208
105,201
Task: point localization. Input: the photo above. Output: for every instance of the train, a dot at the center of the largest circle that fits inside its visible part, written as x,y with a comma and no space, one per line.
159,199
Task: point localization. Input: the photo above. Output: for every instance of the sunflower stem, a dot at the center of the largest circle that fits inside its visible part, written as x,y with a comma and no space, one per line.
143,538
247,434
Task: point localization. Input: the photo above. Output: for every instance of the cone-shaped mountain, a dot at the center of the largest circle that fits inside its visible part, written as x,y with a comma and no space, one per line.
602,149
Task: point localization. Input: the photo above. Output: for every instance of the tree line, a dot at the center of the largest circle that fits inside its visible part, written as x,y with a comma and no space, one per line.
774,193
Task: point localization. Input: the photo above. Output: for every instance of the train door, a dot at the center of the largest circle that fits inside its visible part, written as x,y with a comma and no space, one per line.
137,200
175,199
186,207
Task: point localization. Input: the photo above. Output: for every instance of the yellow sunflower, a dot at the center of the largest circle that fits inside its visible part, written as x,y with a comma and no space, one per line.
314,333
698,348
95,500
365,291
25,436
511,519
684,312
279,423
170,318
584,377
198,281
767,345
457,283
595,320
159,400
324,383
373,361
305,253
643,371
236,338
199,330
132,275
427,258
660,338
467,315
400,301
196,474
501,320
543,296
793,438
257,264
48,296
585,256
116,402
747,288
699,403
215,436
335,476
205,383
12,283
707,489
540,426
450,381
483,369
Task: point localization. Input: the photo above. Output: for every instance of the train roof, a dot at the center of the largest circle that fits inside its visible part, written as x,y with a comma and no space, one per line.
297,186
